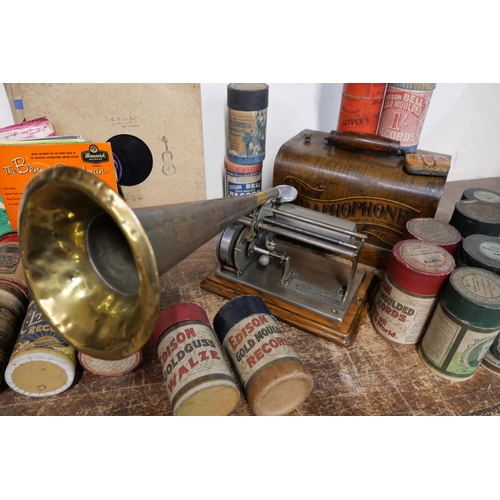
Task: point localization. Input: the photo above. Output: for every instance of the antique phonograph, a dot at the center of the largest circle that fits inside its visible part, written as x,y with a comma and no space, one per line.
303,263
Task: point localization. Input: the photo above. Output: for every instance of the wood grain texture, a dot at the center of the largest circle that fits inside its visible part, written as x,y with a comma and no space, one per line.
372,377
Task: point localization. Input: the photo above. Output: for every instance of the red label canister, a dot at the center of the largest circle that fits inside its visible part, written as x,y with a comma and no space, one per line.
199,381
404,111
416,273
242,179
360,107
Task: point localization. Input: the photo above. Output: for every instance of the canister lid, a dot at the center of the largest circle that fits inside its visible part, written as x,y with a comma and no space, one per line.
110,368
476,217
237,310
473,295
247,96
420,267
39,372
9,237
481,194
364,90
434,231
415,86
480,250
176,314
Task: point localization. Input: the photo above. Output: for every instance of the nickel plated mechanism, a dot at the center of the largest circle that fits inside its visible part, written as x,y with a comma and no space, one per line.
294,254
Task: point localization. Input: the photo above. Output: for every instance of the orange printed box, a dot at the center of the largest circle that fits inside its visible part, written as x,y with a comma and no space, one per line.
19,163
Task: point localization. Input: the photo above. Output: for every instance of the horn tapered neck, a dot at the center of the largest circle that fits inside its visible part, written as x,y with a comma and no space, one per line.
176,231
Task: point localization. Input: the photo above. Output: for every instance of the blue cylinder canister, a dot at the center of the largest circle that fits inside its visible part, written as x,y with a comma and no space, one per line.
42,363
274,379
247,121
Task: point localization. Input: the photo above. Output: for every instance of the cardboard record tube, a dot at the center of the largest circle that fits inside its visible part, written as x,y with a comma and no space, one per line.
274,379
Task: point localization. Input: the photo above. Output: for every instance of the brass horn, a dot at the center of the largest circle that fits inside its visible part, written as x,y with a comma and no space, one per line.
93,264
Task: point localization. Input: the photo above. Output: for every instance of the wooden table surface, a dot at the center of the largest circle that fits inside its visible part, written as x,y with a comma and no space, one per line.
372,377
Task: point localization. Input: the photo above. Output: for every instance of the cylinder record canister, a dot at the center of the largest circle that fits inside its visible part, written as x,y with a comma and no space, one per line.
464,325
198,379
242,179
482,194
415,276
480,250
360,107
110,368
274,379
403,113
492,359
42,363
13,303
433,231
247,121
476,217
11,266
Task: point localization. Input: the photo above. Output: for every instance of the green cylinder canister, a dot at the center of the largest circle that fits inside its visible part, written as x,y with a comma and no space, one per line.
464,324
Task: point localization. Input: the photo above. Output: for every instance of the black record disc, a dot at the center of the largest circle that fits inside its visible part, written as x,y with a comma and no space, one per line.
133,159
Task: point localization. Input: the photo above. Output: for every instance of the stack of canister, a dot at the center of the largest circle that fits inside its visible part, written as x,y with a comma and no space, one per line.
247,120
14,296
395,110
33,359
477,212
477,216
459,308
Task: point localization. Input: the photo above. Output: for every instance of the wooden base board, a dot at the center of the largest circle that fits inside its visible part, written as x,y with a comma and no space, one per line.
343,333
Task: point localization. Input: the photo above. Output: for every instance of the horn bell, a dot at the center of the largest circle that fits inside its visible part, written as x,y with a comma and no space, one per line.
89,264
